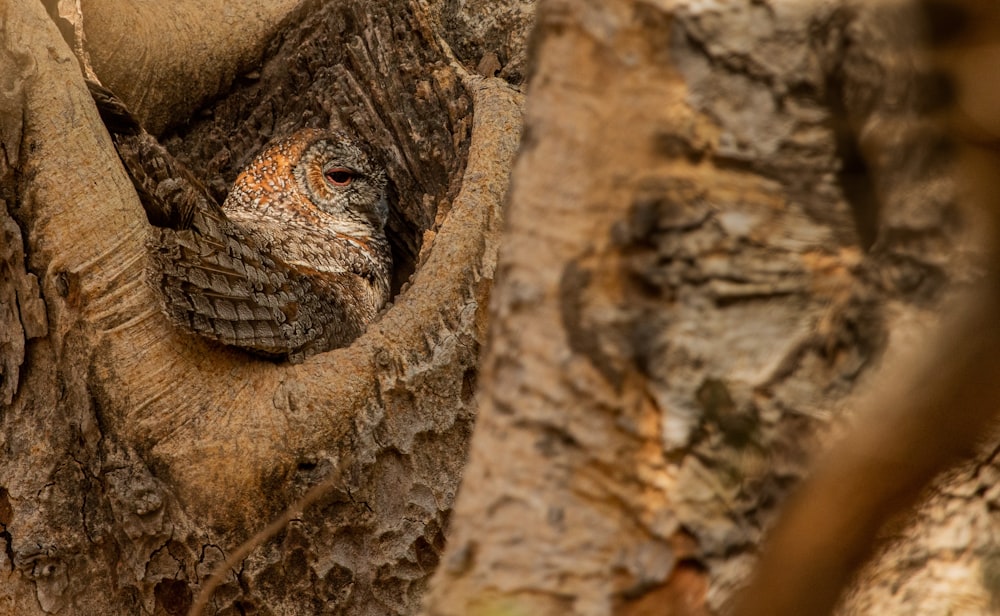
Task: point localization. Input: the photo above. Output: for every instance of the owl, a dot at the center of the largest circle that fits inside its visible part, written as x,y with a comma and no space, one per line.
294,262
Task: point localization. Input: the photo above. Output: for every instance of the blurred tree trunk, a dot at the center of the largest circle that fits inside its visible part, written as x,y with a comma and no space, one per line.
724,216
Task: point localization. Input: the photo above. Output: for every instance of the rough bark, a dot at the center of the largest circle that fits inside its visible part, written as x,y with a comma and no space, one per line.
722,217
490,36
136,457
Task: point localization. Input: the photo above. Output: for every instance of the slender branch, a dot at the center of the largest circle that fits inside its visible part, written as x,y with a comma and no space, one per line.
314,493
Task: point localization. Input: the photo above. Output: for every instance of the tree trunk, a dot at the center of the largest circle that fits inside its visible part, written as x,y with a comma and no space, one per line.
138,457
725,219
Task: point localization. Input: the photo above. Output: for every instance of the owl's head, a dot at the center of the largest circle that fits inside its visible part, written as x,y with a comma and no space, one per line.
340,178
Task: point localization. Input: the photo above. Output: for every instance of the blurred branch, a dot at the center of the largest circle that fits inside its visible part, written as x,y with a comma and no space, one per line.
927,420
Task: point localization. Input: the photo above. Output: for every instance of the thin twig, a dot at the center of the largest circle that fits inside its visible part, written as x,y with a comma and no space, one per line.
295,510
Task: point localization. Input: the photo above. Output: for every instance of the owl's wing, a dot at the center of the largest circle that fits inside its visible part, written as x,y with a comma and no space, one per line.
222,286
215,279
169,192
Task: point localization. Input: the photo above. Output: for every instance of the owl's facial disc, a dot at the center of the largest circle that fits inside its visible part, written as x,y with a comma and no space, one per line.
341,180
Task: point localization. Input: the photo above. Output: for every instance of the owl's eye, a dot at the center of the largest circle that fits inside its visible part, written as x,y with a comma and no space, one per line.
338,176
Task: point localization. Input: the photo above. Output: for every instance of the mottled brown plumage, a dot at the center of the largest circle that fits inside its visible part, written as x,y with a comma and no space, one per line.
294,262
